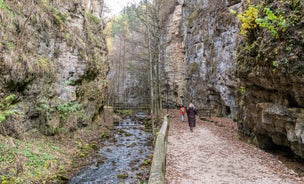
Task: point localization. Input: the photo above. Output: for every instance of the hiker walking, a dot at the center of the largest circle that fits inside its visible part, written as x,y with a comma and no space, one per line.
191,112
183,111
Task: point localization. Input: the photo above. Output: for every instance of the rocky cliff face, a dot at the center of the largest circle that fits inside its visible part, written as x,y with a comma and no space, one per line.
200,56
256,78
271,73
52,63
175,67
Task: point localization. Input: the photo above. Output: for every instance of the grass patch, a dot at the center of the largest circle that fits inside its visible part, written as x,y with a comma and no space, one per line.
59,17
84,149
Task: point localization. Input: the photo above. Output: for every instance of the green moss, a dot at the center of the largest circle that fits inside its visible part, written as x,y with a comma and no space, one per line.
105,134
147,162
127,112
92,18
122,176
84,149
7,108
242,90
127,134
148,124
123,132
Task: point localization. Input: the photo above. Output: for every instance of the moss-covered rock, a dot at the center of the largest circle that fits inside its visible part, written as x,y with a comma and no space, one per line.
54,54
54,61
271,72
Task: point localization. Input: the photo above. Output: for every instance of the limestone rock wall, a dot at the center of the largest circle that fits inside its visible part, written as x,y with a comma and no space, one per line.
175,67
54,61
200,55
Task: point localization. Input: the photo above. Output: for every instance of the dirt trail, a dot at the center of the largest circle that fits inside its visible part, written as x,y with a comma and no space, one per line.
214,154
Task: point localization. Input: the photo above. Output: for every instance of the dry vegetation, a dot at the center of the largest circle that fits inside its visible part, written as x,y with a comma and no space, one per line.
32,37
38,159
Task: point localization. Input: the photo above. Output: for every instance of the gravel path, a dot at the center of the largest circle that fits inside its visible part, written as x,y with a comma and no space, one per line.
214,154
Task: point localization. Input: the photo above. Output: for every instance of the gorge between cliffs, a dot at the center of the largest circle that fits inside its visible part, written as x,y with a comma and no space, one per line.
69,73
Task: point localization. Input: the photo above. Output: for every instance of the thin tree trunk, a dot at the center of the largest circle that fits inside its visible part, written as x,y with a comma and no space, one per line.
123,70
151,68
158,107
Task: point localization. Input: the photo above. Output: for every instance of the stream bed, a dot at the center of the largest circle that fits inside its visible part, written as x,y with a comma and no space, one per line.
126,157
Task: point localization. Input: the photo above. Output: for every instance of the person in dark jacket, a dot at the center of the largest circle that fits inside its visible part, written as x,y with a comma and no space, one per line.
191,112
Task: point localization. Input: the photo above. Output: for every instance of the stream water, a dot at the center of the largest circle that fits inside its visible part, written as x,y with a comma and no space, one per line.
125,160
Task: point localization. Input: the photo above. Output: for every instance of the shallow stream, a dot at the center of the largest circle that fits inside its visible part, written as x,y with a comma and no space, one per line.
125,160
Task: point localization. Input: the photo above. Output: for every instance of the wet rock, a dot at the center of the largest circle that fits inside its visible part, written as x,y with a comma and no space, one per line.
122,176
141,115
120,161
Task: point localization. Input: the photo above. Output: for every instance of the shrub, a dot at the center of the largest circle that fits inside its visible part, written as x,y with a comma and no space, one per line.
272,22
248,19
251,20
64,110
67,108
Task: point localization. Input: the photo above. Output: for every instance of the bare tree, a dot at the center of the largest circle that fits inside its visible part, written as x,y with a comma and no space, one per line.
145,29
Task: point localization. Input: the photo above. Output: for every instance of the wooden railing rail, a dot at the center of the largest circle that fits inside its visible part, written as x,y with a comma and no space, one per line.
205,111
158,168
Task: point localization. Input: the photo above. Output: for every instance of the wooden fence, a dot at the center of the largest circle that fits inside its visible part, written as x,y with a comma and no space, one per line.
158,168
122,106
